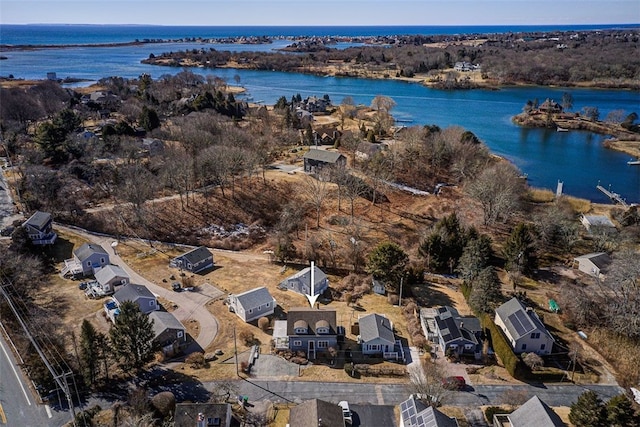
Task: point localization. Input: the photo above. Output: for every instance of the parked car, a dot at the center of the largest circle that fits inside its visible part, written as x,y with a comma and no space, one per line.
176,286
83,285
346,412
454,383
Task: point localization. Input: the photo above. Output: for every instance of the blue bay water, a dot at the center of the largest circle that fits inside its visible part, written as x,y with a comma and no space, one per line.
577,158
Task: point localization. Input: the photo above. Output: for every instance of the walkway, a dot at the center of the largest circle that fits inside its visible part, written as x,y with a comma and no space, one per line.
191,305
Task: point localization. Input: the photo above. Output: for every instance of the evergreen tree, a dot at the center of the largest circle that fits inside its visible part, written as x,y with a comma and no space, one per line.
485,290
446,249
131,337
281,104
149,119
475,257
519,250
588,411
90,351
387,263
620,412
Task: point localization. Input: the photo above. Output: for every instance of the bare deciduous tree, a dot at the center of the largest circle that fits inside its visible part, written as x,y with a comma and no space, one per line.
315,191
426,383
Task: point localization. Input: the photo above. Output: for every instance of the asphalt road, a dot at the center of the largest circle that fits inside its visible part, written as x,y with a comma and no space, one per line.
18,406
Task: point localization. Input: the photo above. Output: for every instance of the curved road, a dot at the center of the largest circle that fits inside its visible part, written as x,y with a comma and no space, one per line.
191,305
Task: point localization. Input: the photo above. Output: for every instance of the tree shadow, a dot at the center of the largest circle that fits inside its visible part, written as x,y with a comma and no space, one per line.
427,296
184,387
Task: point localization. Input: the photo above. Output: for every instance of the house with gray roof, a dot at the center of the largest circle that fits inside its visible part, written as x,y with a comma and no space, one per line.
168,333
599,221
315,160
111,276
203,415
534,413
523,328
315,413
86,261
301,282
138,294
39,227
307,329
195,261
457,334
415,413
376,335
593,264
253,304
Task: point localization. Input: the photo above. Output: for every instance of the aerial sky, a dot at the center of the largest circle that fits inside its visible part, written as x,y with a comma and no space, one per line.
321,12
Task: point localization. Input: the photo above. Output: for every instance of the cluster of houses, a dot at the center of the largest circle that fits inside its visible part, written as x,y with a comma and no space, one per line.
412,413
466,66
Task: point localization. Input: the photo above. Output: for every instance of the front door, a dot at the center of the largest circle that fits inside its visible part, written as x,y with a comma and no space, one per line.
311,350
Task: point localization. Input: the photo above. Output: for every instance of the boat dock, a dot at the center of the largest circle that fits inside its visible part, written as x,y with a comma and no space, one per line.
615,197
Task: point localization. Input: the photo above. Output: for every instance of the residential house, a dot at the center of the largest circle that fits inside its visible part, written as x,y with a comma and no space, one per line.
86,261
457,334
376,336
534,413
253,304
301,282
315,413
599,221
39,227
195,260
593,264
307,329
550,106
415,413
523,328
168,333
152,146
202,415
367,150
378,287
465,66
111,276
138,294
315,160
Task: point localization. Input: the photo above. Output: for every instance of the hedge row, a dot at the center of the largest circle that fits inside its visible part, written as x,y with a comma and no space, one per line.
503,349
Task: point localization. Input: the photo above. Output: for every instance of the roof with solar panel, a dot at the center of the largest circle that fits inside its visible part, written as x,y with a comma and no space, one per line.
520,320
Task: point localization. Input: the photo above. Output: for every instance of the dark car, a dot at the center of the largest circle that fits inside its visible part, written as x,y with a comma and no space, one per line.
82,286
454,383
176,287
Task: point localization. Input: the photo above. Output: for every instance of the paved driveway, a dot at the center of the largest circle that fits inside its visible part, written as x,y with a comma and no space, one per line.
191,305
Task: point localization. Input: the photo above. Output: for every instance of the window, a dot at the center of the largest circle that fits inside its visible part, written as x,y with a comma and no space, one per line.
259,308
323,344
251,310
535,335
297,343
152,303
524,346
373,347
102,261
88,263
468,346
268,304
543,346
179,334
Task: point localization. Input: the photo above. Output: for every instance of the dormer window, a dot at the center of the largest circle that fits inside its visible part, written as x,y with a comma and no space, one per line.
300,327
322,327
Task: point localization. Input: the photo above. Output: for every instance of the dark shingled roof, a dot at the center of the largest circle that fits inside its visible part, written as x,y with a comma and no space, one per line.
308,414
38,220
196,255
163,320
132,292
323,155
88,249
311,316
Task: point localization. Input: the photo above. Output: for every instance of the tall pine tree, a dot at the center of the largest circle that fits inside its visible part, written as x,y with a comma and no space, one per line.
131,337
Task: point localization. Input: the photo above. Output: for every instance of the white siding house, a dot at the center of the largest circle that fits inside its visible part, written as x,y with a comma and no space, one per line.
523,328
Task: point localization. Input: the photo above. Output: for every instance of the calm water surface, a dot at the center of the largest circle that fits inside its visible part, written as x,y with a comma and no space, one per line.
577,158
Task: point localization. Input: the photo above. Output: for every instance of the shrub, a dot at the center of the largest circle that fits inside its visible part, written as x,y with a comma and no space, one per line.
247,338
393,299
263,323
503,349
164,403
349,369
195,360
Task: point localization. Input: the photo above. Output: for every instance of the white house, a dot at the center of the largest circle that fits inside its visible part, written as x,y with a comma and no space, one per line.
592,264
601,221
252,304
523,328
376,334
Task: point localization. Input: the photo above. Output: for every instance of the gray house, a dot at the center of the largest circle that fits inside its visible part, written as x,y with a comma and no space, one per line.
534,413
168,333
138,294
461,335
523,328
111,276
309,330
414,413
195,260
252,304
301,282
314,413
376,335
86,261
316,160
39,227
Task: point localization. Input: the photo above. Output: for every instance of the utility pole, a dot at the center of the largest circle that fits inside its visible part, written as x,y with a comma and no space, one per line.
235,347
400,298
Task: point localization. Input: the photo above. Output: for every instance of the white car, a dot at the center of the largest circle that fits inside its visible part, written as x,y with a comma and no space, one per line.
346,412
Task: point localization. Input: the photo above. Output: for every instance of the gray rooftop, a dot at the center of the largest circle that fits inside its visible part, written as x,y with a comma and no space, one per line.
162,321
38,220
87,250
374,326
187,413
132,293
196,255
518,320
414,413
109,272
323,155
254,298
599,259
535,413
599,220
309,413
311,316
304,275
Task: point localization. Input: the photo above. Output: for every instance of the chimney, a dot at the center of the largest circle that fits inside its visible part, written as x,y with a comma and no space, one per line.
461,325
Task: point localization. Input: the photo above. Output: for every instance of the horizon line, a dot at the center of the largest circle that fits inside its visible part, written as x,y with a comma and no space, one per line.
328,26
